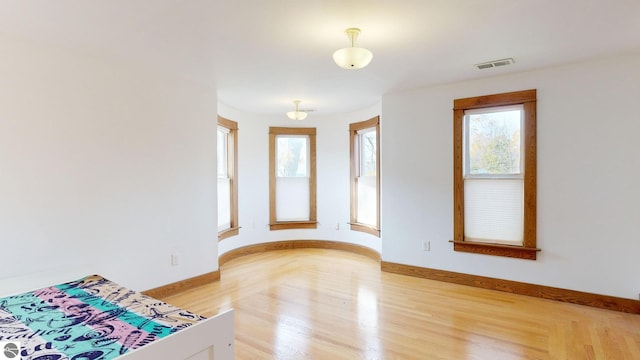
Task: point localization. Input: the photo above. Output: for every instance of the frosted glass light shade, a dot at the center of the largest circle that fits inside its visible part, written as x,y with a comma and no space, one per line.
297,115
352,57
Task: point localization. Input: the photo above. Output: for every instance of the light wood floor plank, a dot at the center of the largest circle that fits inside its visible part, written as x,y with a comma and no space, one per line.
328,304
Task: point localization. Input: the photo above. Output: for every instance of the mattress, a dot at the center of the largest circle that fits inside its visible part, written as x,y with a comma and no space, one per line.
91,318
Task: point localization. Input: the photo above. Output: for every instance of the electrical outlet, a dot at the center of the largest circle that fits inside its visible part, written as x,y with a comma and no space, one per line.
175,260
337,226
426,245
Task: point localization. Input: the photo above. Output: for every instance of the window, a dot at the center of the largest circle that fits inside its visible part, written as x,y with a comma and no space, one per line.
227,178
495,174
292,178
364,138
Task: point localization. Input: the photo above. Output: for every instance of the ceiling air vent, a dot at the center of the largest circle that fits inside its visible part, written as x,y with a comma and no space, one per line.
495,63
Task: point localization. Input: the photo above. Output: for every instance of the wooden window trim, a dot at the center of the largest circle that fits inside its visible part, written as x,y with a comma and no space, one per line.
232,168
227,233
312,223
353,130
287,225
365,229
528,99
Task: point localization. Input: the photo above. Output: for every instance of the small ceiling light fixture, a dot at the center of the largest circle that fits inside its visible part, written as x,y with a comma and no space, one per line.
297,114
352,57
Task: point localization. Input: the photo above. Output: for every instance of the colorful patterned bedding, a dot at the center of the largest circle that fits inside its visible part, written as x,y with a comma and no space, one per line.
91,318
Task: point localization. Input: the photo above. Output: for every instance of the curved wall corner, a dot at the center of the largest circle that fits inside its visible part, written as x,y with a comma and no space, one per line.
332,141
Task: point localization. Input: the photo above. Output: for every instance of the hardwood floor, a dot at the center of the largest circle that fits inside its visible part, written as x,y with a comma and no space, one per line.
329,304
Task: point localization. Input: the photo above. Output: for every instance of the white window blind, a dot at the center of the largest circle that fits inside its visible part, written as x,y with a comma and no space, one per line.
292,199
224,204
367,202
494,211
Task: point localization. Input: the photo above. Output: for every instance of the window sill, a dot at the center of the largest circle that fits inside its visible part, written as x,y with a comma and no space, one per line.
365,228
286,225
495,249
228,233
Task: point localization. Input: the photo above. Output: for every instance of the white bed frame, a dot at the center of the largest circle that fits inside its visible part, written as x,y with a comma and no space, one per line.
209,339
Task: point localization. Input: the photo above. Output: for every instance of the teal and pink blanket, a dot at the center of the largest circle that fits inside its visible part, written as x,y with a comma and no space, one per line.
89,319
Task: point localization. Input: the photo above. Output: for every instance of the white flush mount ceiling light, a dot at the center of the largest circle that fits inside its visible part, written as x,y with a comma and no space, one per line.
297,114
352,57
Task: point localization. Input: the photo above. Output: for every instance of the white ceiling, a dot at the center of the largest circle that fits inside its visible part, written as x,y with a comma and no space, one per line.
262,54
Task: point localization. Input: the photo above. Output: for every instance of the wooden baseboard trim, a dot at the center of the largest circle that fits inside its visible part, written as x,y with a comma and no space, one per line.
183,285
297,244
546,292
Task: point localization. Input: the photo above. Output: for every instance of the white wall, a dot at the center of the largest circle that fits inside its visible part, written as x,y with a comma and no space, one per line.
588,170
332,142
104,168
109,169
